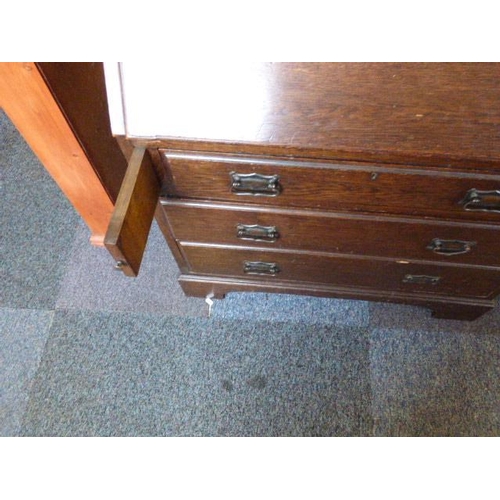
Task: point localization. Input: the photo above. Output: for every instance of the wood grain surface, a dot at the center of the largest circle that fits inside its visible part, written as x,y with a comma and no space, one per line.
130,224
442,306
373,274
419,113
80,91
388,237
30,105
331,185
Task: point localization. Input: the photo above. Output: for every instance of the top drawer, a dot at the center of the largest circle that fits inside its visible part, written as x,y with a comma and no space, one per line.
332,186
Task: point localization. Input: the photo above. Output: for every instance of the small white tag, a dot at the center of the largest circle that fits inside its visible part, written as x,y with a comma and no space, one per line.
210,302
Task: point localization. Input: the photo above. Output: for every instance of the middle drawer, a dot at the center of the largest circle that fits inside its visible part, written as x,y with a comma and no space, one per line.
349,234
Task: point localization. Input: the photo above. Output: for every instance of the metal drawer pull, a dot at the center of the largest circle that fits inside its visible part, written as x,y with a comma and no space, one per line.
481,201
450,247
421,279
255,184
261,268
255,232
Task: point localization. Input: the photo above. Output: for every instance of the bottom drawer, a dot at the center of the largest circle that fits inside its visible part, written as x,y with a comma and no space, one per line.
333,270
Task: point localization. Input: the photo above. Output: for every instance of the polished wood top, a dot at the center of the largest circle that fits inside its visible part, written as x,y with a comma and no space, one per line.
423,113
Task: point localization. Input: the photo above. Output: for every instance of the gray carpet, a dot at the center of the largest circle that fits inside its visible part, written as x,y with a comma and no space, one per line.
172,376
23,334
91,283
38,225
85,351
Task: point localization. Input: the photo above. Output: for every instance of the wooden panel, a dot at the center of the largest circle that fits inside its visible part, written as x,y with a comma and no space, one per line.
80,91
332,232
128,230
330,186
164,225
32,108
421,113
329,269
442,306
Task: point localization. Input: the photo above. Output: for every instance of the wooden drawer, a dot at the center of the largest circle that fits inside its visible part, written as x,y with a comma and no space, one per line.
396,238
332,186
329,269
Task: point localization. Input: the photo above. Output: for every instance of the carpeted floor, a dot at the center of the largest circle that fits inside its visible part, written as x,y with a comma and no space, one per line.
85,351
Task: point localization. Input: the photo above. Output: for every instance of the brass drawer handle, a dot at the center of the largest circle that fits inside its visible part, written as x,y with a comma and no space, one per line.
481,201
450,247
255,232
421,279
261,268
255,184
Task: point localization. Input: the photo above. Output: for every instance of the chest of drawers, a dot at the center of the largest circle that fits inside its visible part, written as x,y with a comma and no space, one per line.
372,182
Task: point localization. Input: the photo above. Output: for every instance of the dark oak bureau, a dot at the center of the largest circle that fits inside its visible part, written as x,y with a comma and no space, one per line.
328,228
363,181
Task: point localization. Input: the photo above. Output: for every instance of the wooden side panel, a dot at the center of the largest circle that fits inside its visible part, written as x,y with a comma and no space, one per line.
32,108
80,91
166,229
128,230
